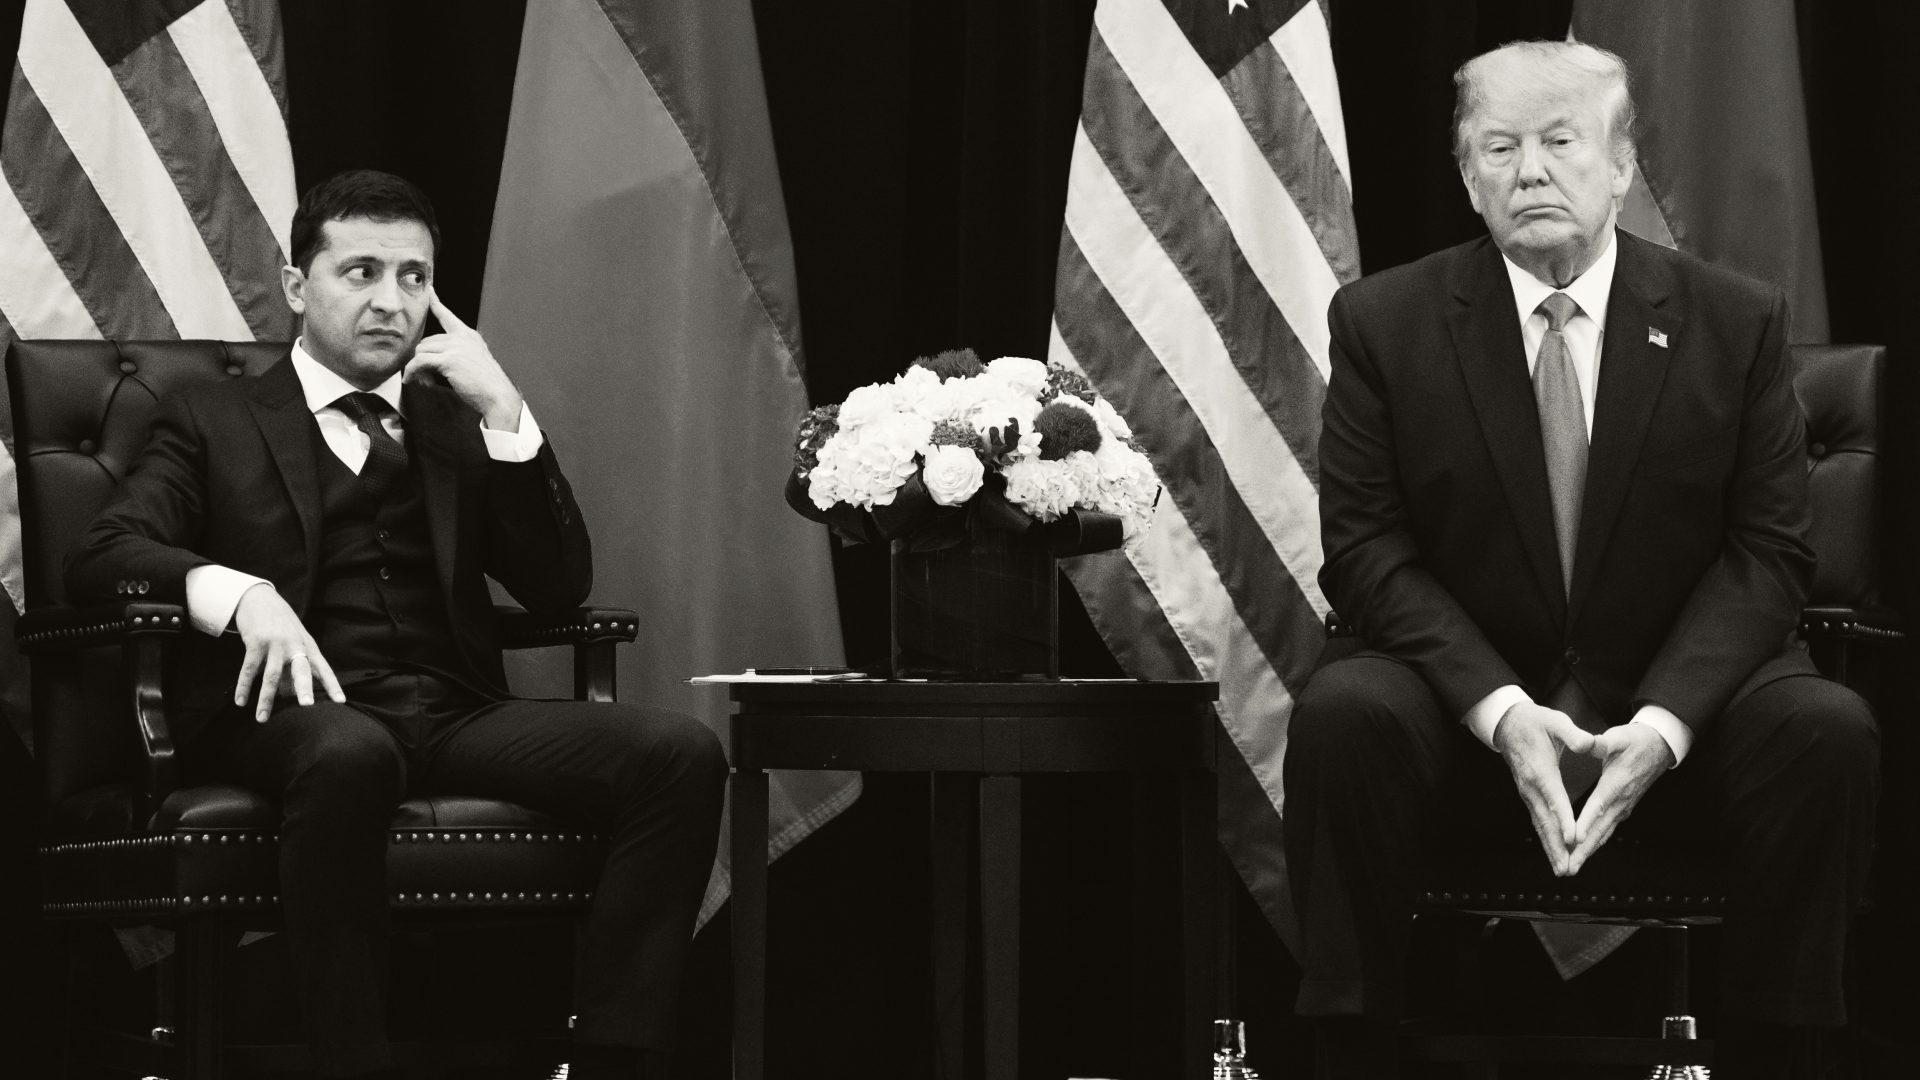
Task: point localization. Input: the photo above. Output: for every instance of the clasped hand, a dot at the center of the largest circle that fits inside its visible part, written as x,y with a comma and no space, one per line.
1532,739
459,357
280,652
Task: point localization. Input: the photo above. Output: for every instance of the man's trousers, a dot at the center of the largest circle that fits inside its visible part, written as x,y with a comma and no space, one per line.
1784,784
649,780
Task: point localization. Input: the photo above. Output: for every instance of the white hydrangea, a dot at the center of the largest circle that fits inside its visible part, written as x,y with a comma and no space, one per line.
1019,375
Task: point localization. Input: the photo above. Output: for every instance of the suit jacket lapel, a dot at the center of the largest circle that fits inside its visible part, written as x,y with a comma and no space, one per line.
431,423
1632,370
280,410
1493,360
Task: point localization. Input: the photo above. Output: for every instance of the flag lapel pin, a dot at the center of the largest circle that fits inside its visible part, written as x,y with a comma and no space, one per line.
1656,337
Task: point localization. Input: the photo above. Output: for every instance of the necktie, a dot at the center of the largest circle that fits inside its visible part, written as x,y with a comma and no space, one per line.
1563,427
386,458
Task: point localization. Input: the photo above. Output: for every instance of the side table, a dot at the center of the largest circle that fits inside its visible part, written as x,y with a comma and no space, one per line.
977,740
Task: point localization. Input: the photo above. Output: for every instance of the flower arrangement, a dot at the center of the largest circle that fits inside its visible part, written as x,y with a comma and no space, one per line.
952,446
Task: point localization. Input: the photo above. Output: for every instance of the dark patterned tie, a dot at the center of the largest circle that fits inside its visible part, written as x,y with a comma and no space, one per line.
1563,427
386,458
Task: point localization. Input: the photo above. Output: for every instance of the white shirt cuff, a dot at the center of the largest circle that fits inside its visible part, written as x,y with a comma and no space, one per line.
213,592
519,445
1485,714
1678,735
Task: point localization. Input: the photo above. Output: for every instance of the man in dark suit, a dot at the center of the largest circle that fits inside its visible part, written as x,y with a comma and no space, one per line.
328,525
1563,506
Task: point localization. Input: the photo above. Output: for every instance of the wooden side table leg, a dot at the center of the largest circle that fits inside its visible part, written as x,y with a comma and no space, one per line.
1200,918
1000,922
950,817
748,863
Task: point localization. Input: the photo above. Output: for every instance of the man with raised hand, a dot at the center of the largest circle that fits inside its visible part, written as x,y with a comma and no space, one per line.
329,526
1563,506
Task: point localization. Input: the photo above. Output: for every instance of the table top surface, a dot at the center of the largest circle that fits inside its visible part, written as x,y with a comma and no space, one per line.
1011,727
1175,693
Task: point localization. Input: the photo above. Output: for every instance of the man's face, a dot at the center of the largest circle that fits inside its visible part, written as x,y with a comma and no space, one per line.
363,303
1540,171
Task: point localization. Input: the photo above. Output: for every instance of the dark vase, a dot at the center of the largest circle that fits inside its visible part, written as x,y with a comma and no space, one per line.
984,610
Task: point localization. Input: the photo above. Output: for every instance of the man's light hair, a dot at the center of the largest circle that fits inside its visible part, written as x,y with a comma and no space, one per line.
1546,69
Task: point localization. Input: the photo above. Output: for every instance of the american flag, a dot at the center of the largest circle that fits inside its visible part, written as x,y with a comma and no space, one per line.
1209,221
148,179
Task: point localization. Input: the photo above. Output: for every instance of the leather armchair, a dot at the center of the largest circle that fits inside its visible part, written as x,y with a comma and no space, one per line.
1669,883
125,841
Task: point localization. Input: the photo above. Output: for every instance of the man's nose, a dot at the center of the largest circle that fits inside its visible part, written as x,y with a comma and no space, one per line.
386,295
1533,164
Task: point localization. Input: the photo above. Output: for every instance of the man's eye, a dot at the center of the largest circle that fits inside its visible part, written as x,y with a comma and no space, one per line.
413,279
356,273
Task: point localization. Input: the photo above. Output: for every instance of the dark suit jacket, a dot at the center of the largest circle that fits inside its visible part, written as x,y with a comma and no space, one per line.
1437,526
229,477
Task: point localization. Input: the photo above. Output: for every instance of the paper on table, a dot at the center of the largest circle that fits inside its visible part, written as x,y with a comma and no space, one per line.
751,676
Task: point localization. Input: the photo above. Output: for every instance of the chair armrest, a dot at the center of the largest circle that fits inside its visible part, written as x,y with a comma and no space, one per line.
1852,624
522,629
143,632
592,631
58,628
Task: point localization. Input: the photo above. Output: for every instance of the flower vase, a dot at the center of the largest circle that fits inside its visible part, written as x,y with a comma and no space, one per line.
984,610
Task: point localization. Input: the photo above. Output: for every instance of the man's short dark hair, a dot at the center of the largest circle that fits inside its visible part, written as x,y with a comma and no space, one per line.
359,193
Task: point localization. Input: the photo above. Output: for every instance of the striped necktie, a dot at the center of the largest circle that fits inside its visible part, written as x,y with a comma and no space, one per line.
1563,427
386,458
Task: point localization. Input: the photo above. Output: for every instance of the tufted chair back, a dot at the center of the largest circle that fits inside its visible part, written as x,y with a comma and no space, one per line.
81,410
1839,387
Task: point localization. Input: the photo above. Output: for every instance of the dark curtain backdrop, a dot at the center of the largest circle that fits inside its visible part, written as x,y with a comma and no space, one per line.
924,149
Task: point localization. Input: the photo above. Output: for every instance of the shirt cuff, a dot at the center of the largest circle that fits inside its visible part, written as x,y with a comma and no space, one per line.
519,445
1678,735
213,592
1486,714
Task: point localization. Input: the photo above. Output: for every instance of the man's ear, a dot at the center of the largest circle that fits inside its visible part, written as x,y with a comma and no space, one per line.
293,282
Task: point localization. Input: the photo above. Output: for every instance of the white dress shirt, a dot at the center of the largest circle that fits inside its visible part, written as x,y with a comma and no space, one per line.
1584,336
213,591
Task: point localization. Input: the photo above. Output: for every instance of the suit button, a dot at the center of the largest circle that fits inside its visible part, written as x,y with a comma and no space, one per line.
141,588
87,446
119,588
1573,657
384,534
385,574
235,369
128,367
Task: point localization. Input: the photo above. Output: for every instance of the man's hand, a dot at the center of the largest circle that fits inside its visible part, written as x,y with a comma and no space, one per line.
1531,738
1632,757
277,645
460,357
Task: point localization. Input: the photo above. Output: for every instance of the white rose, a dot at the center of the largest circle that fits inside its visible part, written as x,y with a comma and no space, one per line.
952,474
917,391
1021,375
865,405
1110,419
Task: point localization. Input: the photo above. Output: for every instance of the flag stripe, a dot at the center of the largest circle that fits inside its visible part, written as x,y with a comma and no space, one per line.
80,93
1208,224
1274,108
1258,588
161,89
1306,48
240,100
91,254
1189,227
1205,127
34,292
260,27
1156,304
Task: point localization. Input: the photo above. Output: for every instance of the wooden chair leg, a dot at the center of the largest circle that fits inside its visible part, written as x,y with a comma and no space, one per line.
201,947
